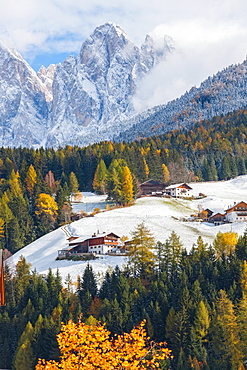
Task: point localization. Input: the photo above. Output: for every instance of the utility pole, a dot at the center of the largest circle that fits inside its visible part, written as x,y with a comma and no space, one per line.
2,296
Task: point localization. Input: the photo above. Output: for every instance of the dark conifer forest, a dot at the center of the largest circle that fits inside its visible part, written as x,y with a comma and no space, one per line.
194,301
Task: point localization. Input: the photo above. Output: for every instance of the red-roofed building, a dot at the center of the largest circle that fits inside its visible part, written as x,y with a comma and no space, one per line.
96,244
179,190
237,212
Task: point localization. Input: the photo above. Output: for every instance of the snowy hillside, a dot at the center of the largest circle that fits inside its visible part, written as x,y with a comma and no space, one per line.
219,94
159,215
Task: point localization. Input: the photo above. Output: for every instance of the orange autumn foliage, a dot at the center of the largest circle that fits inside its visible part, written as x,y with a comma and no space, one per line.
93,347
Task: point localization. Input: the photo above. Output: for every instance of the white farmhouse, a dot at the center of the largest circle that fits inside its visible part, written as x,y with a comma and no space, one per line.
179,190
237,212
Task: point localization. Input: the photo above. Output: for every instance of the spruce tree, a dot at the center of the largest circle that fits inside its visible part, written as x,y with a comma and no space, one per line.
100,178
73,183
24,357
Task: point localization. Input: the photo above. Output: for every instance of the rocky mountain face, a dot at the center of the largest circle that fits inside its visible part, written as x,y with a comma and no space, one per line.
80,101
23,105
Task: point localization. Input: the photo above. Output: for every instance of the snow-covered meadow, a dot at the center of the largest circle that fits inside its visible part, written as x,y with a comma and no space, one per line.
160,215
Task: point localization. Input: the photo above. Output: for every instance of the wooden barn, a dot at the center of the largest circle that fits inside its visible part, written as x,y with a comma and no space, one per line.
150,187
217,219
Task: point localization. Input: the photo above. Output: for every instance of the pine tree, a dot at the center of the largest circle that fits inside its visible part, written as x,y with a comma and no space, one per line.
241,167
146,169
89,282
162,256
16,236
141,259
24,357
73,183
100,178
114,179
241,247
225,170
174,255
233,166
206,171
201,321
213,168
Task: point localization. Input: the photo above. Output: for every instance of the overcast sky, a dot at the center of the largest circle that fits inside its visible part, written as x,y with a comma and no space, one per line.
208,35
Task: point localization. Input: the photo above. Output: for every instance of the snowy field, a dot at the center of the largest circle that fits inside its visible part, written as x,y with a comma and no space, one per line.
160,215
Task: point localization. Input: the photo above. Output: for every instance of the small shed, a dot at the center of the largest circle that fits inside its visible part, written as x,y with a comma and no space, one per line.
217,219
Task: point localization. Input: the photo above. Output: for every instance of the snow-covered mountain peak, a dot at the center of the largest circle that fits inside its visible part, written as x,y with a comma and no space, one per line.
82,100
110,28
105,42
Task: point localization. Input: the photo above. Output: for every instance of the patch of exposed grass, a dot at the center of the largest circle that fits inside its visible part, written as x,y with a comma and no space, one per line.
179,205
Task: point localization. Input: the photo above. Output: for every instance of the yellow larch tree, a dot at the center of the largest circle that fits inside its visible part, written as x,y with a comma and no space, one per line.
166,173
146,169
92,347
225,243
46,204
31,179
15,186
127,186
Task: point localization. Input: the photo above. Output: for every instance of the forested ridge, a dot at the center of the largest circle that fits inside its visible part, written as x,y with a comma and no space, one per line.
196,302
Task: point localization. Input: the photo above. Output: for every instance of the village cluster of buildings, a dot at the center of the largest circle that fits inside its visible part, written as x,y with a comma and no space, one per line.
235,213
100,244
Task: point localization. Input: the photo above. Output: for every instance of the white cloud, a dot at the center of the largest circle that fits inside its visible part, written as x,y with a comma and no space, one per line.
57,18
201,50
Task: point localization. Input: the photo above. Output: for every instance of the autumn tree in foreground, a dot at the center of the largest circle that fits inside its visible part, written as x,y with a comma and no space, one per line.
92,347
